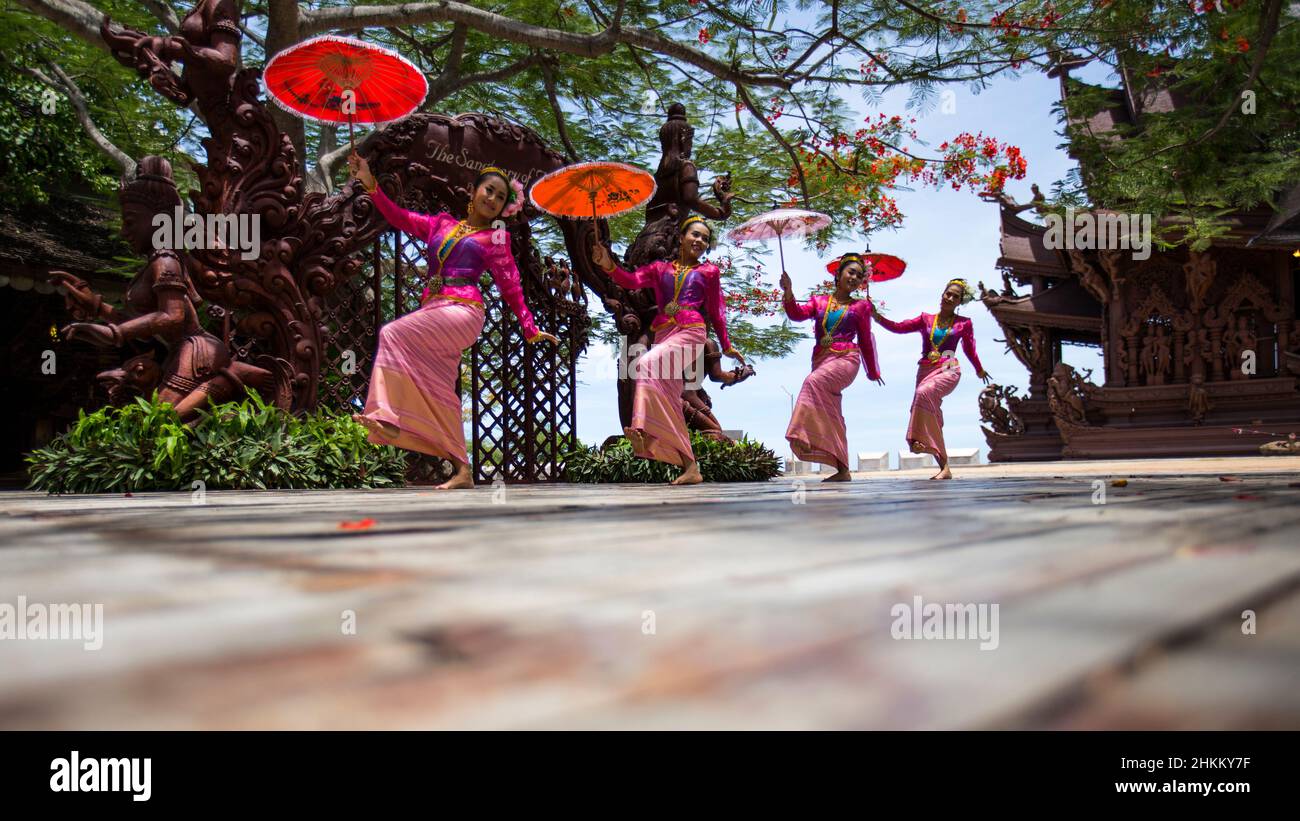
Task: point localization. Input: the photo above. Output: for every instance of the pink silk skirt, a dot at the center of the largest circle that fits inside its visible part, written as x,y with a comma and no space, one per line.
413,383
925,430
816,432
657,405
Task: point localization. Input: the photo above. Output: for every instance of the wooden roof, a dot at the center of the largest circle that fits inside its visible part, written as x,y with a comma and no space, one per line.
69,234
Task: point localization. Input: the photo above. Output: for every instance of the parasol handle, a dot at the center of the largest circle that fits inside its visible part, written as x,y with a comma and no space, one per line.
780,248
351,140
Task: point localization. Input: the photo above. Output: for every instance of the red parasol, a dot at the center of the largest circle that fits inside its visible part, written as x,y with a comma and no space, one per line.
883,266
313,79
602,189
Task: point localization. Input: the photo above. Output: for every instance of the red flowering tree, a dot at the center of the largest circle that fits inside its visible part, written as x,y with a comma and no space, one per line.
765,82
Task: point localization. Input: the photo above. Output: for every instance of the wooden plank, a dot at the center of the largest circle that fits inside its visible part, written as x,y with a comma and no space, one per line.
530,613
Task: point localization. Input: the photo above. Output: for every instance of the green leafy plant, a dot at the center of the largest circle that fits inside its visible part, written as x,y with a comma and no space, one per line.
742,461
236,445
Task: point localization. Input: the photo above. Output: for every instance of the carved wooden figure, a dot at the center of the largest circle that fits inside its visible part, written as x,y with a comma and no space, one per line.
161,303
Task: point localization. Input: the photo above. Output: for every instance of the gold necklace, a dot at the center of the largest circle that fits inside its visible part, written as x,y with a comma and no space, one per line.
449,242
680,272
828,329
934,354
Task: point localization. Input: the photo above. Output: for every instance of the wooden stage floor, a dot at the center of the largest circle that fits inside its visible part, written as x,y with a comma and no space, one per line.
718,606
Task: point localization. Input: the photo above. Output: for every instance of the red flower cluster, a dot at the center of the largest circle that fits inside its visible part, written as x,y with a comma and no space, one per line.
1208,6
1010,26
753,300
749,297
704,36
870,162
777,109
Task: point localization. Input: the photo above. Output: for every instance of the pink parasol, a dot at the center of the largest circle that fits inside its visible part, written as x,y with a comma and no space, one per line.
783,222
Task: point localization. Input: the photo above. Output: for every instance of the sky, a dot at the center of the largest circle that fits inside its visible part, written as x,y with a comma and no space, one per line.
945,234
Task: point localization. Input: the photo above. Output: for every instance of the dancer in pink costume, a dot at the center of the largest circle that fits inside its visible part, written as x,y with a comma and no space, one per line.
938,371
686,291
843,326
412,402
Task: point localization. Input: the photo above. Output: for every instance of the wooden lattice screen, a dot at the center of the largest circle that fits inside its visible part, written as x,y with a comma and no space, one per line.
522,412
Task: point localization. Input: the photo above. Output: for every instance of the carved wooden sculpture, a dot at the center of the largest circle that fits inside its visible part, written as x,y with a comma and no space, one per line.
308,241
677,195
161,303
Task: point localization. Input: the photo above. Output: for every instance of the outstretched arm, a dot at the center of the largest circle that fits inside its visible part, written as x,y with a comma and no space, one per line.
420,226
867,345
907,326
505,273
793,309
799,311
968,345
713,306
642,277
169,289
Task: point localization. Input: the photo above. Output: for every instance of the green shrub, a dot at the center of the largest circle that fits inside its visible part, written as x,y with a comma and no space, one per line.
743,461
236,445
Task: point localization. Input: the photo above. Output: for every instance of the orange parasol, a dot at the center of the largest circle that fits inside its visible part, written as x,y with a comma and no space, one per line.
601,189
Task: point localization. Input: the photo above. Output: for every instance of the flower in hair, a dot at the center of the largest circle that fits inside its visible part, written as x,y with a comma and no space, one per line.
516,199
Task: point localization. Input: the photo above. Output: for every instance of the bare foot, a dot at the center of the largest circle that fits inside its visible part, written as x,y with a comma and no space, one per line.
385,429
636,437
462,478
841,475
690,476
944,473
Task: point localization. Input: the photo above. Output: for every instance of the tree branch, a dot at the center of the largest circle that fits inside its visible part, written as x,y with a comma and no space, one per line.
77,17
446,81
317,21
165,14
776,134
61,82
548,76
496,76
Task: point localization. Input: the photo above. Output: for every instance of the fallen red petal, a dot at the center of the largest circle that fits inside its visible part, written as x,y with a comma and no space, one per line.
359,525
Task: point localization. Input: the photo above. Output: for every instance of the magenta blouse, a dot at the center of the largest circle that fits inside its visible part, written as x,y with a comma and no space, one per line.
962,330
855,325
700,296
468,259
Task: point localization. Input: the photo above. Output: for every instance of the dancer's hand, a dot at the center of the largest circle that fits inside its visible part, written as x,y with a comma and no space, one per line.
879,380
787,285
735,354
361,170
601,256
986,378
551,338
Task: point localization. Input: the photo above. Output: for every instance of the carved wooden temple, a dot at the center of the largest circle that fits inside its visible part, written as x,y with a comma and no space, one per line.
1201,351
